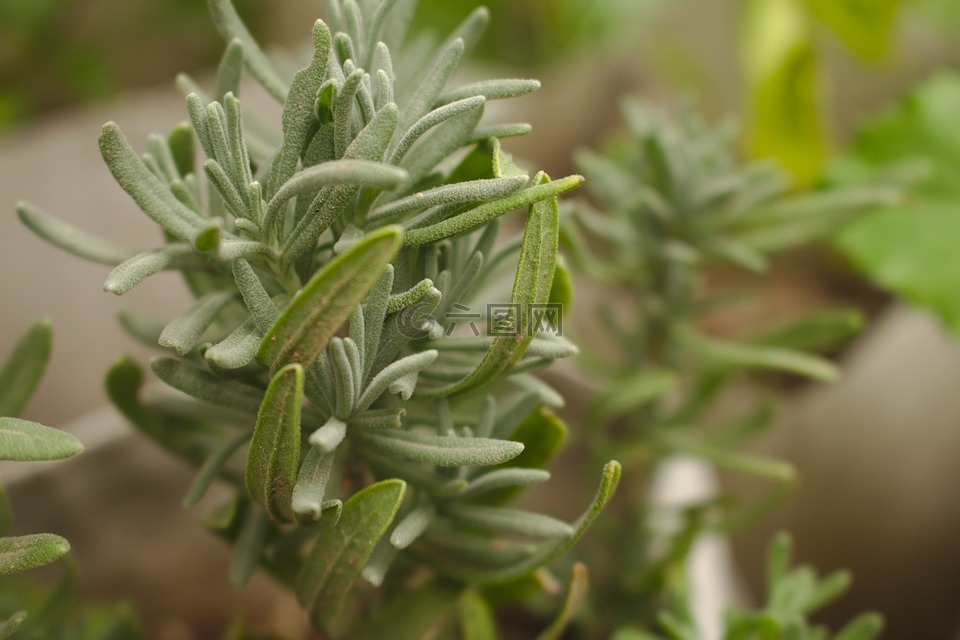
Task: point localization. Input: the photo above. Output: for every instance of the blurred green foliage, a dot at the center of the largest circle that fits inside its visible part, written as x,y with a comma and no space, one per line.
911,249
784,77
534,32
59,52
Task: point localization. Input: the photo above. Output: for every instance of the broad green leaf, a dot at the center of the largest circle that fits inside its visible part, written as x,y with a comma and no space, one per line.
232,28
21,553
444,451
21,373
561,291
29,441
542,434
784,87
71,239
576,594
534,278
326,302
275,447
476,617
147,191
340,553
866,26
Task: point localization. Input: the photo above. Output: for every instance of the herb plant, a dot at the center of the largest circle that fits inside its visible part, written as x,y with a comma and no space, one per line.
23,440
666,204
316,374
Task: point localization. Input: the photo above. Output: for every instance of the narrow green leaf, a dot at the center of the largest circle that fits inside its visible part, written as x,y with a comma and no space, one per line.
491,90
750,356
340,553
248,547
450,194
262,308
232,28
21,553
206,386
412,525
184,332
576,595
422,99
510,521
511,477
21,373
444,140
298,109
311,484
324,304
476,617
864,627
230,71
431,120
444,451
392,375
275,447
549,551
329,436
29,441
631,393
132,272
532,284
71,239
9,626
238,349
147,191
479,216
337,172
211,469
332,202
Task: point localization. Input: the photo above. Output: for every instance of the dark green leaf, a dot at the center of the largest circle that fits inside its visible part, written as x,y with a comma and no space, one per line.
326,302
21,373
340,553
275,447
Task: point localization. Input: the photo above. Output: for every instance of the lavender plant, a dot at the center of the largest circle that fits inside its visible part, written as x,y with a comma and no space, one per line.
667,203
23,440
315,372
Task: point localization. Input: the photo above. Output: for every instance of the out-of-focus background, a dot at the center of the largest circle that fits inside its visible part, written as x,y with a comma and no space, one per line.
834,89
